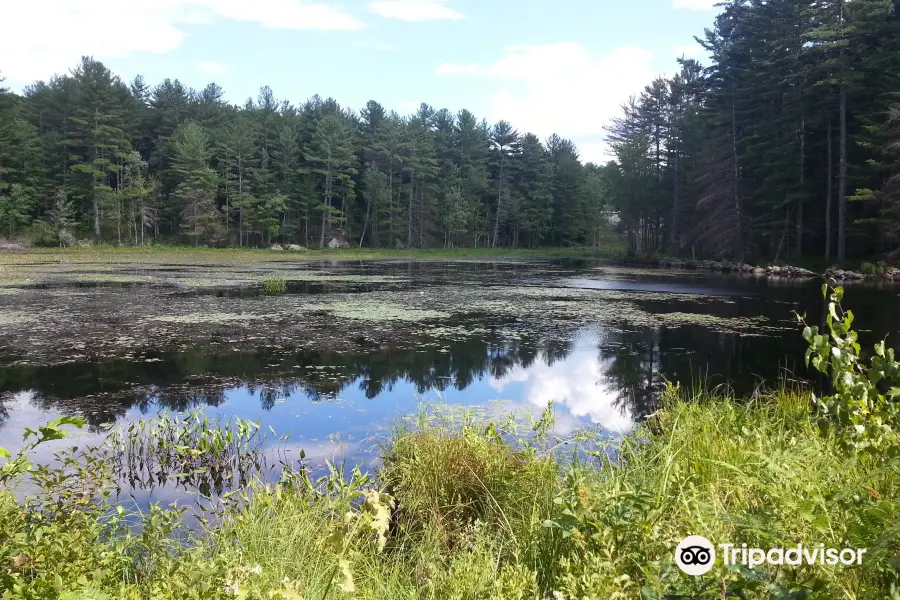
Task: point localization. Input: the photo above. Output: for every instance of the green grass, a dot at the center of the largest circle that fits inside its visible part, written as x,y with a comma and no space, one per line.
479,517
190,255
274,285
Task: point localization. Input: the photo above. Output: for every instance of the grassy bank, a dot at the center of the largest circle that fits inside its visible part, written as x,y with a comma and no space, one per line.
189,255
458,513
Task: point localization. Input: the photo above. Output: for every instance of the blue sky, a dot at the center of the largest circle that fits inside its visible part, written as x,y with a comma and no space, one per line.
547,66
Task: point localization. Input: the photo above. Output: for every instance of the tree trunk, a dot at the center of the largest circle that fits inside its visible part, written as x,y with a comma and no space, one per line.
366,221
842,181
799,248
739,217
240,204
499,203
409,215
829,195
674,233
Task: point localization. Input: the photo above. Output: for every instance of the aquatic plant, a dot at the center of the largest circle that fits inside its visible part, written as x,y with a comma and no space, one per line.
190,449
273,285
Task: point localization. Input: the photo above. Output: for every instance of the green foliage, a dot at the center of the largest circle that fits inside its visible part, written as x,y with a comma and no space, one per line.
878,268
188,449
15,467
864,405
761,474
166,162
274,285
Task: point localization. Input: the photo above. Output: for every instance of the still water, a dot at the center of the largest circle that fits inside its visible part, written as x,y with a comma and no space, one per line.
604,371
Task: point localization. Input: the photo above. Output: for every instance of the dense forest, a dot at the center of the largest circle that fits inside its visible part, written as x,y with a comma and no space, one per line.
129,164
786,145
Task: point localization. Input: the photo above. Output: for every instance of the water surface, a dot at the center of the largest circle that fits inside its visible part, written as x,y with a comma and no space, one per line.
353,347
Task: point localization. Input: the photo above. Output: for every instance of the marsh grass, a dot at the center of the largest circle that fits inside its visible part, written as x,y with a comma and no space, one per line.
274,285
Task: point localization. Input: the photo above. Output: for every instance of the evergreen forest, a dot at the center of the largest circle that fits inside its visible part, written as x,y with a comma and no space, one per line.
786,145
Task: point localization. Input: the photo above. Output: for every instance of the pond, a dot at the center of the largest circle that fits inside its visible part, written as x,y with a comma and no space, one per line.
353,347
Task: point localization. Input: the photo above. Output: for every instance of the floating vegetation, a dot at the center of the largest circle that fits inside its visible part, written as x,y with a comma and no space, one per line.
209,317
274,285
375,311
189,449
329,278
15,317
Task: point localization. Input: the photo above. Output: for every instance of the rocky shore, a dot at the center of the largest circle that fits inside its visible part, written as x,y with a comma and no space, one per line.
786,272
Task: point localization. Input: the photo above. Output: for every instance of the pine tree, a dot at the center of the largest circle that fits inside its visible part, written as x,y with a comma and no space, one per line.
95,138
331,155
197,183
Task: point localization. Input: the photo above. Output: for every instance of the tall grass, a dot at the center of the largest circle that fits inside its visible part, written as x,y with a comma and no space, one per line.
457,511
478,518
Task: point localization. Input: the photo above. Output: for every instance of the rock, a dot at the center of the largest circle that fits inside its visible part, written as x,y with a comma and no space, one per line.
277,248
295,248
746,268
759,271
16,244
398,244
336,243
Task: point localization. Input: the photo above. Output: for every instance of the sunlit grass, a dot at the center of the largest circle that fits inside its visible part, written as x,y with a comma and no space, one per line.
184,255
485,513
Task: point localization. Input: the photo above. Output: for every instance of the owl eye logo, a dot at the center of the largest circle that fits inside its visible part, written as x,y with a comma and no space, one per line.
695,555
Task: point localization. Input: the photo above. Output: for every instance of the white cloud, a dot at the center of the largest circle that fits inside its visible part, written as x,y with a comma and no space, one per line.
562,88
105,29
695,4
574,384
415,10
212,67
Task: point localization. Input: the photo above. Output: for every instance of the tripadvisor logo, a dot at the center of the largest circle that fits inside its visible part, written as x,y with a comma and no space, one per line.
696,555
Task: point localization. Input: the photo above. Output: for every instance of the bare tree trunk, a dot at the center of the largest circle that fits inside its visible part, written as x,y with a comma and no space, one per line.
842,166
499,203
739,215
366,222
799,248
829,195
675,190
787,224
409,215
241,204
842,181
94,194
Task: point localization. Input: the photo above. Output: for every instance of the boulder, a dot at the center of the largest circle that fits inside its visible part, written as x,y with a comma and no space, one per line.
277,248
295,248
759,271
336,243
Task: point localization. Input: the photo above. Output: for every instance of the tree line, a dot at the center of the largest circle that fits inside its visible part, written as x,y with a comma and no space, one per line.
786,145
87,154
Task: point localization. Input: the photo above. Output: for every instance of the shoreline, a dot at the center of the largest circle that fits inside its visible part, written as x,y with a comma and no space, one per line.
890,274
